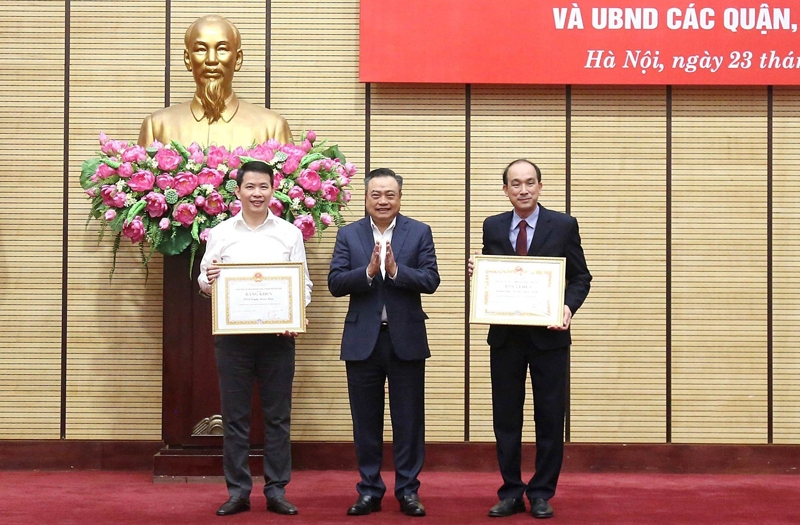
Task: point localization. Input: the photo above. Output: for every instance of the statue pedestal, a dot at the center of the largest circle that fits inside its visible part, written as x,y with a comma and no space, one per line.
190,390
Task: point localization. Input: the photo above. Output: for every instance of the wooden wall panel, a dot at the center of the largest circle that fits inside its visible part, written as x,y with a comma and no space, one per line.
786,264
420,133
508,123
31,208
113,325
719,262
618,195
314,84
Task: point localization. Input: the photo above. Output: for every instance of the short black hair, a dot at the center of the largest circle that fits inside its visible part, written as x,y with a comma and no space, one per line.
256,166
535,167
383,172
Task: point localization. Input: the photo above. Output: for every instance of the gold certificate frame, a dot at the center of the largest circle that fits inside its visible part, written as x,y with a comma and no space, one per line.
266,298
517,290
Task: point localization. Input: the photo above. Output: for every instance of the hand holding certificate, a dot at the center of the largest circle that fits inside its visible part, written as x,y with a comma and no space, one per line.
259,299
518,290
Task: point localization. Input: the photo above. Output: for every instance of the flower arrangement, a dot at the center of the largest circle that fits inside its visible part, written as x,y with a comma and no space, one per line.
171,195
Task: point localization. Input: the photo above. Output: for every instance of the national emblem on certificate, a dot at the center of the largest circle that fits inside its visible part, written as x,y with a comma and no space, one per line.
259,299
515,290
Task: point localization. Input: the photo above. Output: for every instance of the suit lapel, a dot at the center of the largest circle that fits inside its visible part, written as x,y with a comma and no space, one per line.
503,229
367,240
543,229
399,235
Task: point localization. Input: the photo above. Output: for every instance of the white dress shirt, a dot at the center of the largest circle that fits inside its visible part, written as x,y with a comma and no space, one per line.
233,241
383,238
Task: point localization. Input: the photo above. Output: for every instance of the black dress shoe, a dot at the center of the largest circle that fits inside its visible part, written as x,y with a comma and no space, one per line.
540,508
234,506
410,505
364,505
507,507
279,505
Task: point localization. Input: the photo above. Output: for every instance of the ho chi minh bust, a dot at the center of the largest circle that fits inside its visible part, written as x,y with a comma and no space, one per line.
215,115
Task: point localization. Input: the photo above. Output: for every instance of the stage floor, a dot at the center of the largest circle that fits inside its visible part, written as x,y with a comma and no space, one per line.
322,497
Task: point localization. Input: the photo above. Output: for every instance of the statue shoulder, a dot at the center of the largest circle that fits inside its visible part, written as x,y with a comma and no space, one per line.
259,117
172,112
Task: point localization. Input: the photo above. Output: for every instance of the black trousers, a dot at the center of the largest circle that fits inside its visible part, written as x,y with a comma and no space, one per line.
243,360
510,365
366,383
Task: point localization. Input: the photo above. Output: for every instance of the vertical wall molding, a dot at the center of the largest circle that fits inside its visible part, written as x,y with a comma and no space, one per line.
668,270
65,228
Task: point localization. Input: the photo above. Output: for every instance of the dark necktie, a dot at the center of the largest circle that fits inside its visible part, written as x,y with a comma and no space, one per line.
522,238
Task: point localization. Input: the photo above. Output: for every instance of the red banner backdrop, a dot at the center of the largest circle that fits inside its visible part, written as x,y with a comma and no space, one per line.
732,42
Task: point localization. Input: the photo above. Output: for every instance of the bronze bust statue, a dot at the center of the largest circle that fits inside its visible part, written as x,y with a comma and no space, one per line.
215,115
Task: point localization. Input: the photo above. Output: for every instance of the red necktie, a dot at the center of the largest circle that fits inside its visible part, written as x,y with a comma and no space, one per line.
522,239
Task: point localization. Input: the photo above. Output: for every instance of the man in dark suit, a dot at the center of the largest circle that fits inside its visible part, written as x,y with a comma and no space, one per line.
530,229
384,262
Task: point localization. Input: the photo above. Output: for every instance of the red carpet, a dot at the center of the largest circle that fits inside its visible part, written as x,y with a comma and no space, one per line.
109,497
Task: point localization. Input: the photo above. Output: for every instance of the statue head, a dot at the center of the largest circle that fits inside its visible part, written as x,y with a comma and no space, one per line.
213,54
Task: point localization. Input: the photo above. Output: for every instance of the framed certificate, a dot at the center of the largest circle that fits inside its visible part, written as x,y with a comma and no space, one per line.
259,299
518,290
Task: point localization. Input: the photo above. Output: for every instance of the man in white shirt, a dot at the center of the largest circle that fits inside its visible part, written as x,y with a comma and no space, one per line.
255,235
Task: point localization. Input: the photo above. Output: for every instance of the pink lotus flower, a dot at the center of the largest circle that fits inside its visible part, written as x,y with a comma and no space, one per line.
185,213
110,215
234,161
277,179
329,191
315,166
156,204
235,207
273,144
310,202
164,224
262,152
199,201
113,147
309,180
103,138
327,164
276,207
112,196
210,176
344,180
290,166
214,204
350,168
165,181
326,218
305,223
306,146
134,230
134,154
185,183
347,196
104,171
311,136
168,159
142,180
91,192
296,192
216,156
204,235
125,170
197,157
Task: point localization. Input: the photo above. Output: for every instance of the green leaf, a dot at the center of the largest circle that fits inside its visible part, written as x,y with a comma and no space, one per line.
181,149
334,153
87,170
116,224
175,244
282,197
309,158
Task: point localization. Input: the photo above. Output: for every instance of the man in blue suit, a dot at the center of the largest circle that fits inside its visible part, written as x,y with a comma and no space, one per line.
532,230
384,262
